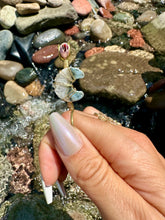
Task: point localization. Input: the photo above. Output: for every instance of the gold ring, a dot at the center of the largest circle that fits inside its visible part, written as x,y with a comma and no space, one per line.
71,117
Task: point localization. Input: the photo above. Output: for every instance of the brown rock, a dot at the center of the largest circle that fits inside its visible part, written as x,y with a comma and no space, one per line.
105,13
35,88
27,8
137,42
107,4
46,54
82,7
156,100
71,31
93,51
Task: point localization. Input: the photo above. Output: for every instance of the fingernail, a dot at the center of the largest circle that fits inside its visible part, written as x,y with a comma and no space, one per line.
67,140
61,188
48,192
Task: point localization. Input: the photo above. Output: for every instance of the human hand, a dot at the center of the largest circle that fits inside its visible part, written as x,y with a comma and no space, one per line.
117,167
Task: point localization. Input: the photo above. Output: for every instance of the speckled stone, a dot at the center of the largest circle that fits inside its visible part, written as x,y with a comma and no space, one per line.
14,93
8,69
8,16
35,88
128,6
100,31
49,37
46,54
86,24
27,8
6,40
124,17
25,76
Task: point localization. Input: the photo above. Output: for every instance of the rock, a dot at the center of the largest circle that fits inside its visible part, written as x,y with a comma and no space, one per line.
40,2
8,16
124,17
8,69
46,54
11,2
116,75
93,51
82,7
154,33
71,31
128,6
25,76
14,93
86,24
6,40
35,88
49,37
146,17
105,13
46,18
100,31
27,8
107,4
55,3
156,100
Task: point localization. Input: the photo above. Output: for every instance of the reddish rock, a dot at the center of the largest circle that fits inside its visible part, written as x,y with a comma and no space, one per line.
46,54
93,51
71,31
107,4
82,7
134,33
105,13
137,42
157,85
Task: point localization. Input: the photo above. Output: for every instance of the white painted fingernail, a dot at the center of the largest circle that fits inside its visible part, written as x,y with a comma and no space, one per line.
48,192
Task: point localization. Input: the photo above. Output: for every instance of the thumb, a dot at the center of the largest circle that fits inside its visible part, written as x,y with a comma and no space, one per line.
93,173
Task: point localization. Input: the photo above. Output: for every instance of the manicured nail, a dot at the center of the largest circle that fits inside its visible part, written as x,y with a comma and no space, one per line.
48,192
61,188
67,140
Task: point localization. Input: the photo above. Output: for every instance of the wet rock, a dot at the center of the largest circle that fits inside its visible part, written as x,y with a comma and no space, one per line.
25,76
93,51
40,2
6,40
154,33
105,13
82,7
35,88
13,2
100,31
6,172
49,37
146,17
124,17
14,93
8,69
55,3
116,76
7,16
71,31
22,164
46,54
107,4
137,38
128,6
156,100
27,8
86,24
46,18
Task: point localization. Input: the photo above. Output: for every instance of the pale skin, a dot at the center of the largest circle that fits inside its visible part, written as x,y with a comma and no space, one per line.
118,168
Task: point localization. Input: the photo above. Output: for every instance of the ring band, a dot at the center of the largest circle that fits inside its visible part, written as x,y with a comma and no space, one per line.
71,117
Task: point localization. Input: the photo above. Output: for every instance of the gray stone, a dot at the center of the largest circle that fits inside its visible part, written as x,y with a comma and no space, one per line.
154,33
8,16
100,31
46,18
55,3
147,16
25,76
124,17
8,69
6,40
116,76
49,37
